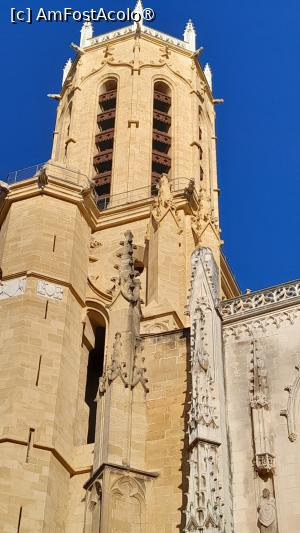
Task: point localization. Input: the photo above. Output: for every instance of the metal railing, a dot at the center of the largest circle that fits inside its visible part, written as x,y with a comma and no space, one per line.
103,202
135,195
23,174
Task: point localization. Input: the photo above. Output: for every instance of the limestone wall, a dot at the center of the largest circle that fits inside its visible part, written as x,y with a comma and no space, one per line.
261,335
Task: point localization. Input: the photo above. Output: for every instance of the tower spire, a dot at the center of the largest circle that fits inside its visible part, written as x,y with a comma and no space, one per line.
139,10
190,35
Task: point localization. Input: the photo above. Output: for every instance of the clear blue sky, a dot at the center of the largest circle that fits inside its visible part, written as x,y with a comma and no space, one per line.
253,48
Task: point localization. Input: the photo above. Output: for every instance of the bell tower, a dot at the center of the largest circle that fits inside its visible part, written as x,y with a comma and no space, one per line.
95,251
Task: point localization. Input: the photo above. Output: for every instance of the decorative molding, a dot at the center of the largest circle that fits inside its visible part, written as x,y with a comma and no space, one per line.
260,300
50,290
291,411
110,36
260,326
12,288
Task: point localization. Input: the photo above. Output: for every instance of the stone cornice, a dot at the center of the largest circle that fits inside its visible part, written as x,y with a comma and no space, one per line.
147,33
138,210
64,189
260,302
119,468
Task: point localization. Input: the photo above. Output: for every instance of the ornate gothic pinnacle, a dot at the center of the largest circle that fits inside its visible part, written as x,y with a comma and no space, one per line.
190,35
208,75
66,70
86,33
127,281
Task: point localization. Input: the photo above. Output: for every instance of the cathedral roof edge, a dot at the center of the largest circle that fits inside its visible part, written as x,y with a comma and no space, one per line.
281,295
145,30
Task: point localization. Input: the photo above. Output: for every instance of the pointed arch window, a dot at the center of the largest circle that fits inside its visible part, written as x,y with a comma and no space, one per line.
104,140
161,138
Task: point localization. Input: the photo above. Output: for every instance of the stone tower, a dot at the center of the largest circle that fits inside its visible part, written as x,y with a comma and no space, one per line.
112,393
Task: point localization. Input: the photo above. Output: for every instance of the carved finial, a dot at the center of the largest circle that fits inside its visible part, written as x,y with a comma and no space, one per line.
128,281
208,75
138,14
189,36
86,33
66,70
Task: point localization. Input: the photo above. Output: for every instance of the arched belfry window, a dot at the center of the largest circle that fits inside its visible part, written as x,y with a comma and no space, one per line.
161,138
104,140
93,345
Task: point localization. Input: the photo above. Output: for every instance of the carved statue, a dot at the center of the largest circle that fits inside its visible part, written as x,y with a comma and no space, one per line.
117,347
267,513
165,195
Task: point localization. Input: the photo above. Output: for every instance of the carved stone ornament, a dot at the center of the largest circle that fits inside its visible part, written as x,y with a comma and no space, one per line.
50,290
127,283
205,503
117,368
261,325
259,387
12,288
164,202
95,494
202,219
265,462
260,299
291,411
139,370
205,509
94,243
203,410
189,190
42,178
205,256
267,513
